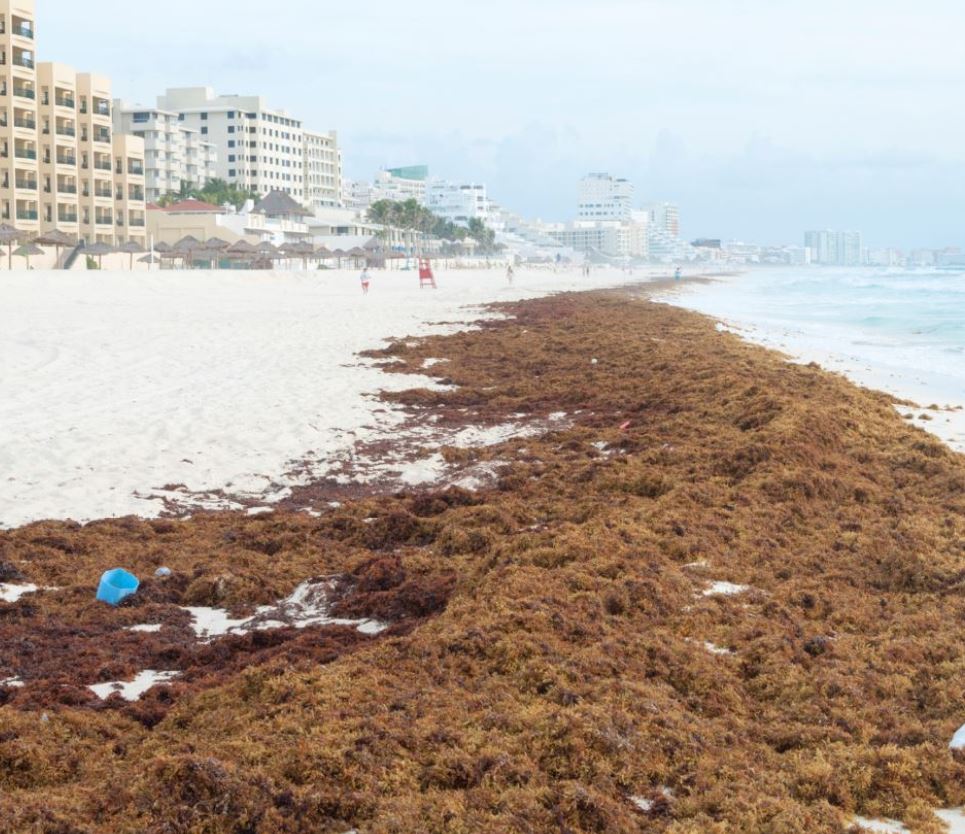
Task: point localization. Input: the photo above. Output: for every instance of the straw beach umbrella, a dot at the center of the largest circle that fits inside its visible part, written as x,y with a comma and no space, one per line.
57,239
359,254
242,250
242,247
98,250
9,235
185,248
131,248
149,259
302,249
27,251
162,248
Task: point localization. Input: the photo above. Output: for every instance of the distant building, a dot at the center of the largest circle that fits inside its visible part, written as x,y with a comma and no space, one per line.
323,170
664,217
887,257
175,155
413,173
850,252
829,248
823,245
458,202
707,243
256,147
260,148
604,198
609,238
401,184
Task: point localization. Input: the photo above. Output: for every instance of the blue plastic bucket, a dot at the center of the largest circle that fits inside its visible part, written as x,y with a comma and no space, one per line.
117,585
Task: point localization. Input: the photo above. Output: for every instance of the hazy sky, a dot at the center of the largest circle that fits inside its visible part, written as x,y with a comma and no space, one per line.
760,117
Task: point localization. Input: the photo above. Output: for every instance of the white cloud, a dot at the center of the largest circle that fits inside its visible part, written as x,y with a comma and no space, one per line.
700,100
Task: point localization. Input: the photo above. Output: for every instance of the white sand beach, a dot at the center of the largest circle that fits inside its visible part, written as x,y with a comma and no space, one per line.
114,386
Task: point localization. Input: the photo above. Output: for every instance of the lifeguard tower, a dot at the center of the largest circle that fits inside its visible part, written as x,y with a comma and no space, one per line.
426,276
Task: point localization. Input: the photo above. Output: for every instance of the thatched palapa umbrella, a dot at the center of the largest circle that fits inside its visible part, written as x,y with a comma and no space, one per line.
98,250
185,248
359,254
242,247
57,239
162,248
131,248
9,235
27,251
149,259
301,249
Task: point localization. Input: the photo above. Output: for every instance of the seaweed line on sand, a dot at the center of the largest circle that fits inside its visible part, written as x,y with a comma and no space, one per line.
554,662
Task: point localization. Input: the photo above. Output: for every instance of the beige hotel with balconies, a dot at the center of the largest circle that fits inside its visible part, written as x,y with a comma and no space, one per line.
61,166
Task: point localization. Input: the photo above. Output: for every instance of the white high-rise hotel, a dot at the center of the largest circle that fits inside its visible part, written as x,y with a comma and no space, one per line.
239,139
835,248
174,155
605,198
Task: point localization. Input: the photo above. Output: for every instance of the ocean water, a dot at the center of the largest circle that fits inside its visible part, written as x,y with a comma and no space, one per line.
896,331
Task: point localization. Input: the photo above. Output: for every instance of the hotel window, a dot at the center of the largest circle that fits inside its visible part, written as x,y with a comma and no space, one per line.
204,117
204,131
231,128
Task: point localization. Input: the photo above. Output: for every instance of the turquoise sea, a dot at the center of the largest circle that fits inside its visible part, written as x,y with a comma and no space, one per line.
900,331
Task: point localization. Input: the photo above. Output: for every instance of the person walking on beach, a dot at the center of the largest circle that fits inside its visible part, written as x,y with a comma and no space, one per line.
366,281
678,274
510,274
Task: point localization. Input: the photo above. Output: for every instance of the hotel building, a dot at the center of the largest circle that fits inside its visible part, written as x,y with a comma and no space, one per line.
604,198
261,148
323,170
175,156
60,165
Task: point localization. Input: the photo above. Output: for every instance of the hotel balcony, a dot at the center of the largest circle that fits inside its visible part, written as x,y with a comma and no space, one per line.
135,168
22,27
26,210
23,58
135,194
27,184
102,164
103,190
65,99
25,91
67,159
24,151
66,186
66,129
103,135
25,122
136,220
64,216
101,107
104,219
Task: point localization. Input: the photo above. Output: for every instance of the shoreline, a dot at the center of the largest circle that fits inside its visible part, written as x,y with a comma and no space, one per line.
929,403
696,595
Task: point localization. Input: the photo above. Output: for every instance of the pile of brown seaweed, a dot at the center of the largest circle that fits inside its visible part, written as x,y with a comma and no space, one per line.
728,596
